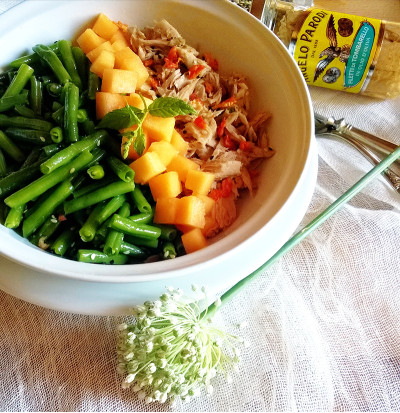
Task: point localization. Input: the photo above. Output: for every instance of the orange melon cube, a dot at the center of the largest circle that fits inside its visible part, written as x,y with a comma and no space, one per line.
190,211
93,54
208,203
146,167
107,102
132,154
104,27
118,81
179,143
182,165
199,182
165,151
193,240
127,59
104,61
159,129
134,99
166,185
165,210
119,37
89,40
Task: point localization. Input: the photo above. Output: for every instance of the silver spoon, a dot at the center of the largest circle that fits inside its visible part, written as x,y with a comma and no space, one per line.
369,145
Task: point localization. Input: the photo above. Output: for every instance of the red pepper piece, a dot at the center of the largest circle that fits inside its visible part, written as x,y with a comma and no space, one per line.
200,122
172,60
245,145
148,62
224,191
221,128
228,142
227,103
211,61
195,70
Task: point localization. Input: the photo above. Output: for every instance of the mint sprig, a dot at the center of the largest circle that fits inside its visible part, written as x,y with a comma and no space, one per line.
128,116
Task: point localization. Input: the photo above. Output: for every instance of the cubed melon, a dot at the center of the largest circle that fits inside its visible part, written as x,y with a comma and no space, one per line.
89,40
182,165
179,143
119,37
146,167
104,27
103,62
190,211
127,59
165,151
134,99
208,203
159,129
107,102
118,81
93,54
165,210
193,240
199,182
166,185
132,154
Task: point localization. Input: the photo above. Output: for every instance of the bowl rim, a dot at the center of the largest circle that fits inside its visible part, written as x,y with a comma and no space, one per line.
199,260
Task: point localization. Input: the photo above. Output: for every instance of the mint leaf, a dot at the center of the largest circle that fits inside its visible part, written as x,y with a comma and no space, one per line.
139,142
167,107
121,118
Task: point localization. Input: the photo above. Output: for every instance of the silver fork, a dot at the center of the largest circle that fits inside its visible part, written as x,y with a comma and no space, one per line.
372,147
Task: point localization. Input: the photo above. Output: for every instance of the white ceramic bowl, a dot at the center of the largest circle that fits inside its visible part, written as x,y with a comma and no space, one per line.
240,43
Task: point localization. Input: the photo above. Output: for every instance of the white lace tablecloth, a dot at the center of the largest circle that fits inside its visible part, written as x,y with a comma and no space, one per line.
324,322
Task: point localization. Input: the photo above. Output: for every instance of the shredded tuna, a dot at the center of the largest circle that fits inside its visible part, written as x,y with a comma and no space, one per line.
231,143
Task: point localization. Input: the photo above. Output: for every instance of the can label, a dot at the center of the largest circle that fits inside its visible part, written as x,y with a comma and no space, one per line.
337,51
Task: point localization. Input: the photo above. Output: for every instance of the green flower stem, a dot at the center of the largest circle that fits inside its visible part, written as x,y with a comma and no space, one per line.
314,224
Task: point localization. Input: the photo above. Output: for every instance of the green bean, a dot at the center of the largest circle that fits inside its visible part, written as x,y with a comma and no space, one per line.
58,116
49,56
64,48
143,242
32,157
3,164
24,122
29,59
47,207
81,64
168,232
65,155
24,111
36,96
63,242
98,155
179,247
140,201
127,226
7,103
8,146
14,216
51,149
109,191
3,212
16,179
19,81
99,214
93,85
88,126
132,250
71,112
54,89
56,105
121,169
96,172
82,115
45,182
169,251
56,134
114,238
48,228
142,217
98,257
92,186
30,136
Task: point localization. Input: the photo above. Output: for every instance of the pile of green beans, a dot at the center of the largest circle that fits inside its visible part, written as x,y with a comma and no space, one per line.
63,184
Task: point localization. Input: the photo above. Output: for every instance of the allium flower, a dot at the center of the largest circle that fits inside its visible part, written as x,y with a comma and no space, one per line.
172,351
